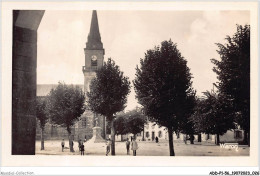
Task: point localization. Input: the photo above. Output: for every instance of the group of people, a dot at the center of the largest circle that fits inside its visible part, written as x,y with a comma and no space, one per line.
80,146
133,143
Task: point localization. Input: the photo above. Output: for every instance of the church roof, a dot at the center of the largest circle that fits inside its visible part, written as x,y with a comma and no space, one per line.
94,38
44,89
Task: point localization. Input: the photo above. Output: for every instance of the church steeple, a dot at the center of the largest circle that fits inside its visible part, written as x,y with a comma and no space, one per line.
94,52
94,39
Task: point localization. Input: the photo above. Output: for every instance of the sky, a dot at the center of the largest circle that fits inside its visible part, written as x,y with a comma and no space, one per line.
127,35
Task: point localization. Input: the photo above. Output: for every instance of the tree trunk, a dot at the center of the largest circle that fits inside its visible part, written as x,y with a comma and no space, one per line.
245,141
104,128
199,137
113,152
171,147
42,138
143,136
70,140
217,139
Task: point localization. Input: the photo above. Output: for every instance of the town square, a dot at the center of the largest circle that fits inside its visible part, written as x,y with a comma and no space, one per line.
117,87
95,126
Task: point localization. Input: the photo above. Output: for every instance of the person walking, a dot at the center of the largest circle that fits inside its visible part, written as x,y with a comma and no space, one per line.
127,146
62,144
134,146
108,146
82,149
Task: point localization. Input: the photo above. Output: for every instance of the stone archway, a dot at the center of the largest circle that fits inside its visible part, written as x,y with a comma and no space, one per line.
25,25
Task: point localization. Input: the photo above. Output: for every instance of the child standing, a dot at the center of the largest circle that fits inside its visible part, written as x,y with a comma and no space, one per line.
108,146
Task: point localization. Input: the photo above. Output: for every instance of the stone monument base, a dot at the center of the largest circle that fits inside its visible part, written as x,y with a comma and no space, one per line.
97,138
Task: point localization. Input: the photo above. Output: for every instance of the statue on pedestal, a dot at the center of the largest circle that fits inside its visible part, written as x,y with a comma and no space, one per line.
97,138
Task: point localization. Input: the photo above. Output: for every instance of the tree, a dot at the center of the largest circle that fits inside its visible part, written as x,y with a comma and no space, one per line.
42,116
213,115
129,122
186,125
233,73
119,125
108,94
133,122
162,85
66,103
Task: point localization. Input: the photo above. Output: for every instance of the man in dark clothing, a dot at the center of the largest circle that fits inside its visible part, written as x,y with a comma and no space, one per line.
82,149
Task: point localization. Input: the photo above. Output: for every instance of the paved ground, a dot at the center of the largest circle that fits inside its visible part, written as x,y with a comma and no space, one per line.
145,149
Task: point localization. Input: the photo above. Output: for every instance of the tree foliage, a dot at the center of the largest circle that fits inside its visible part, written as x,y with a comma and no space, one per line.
233,73
108,93
213,115
186,125
162,85
129,122
66,103
41,111
108,90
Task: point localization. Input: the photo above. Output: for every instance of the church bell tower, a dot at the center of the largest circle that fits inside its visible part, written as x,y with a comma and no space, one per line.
94,58
94,52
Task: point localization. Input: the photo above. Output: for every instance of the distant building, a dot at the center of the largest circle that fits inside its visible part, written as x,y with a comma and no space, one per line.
152,130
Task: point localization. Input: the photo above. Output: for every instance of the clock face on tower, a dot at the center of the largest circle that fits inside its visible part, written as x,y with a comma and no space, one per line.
94,57
94,60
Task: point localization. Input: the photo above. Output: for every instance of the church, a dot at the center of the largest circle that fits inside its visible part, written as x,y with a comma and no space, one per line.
83,129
